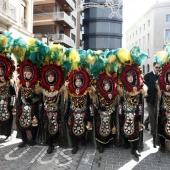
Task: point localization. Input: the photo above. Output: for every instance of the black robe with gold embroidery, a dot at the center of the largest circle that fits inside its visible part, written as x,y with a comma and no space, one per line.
7,103
105,119
131,115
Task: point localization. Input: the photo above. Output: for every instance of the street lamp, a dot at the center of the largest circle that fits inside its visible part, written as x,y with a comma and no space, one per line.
47,39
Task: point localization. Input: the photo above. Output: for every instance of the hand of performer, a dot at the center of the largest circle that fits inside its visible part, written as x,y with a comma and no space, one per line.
140,126
13,110
89,126
66,83
114,130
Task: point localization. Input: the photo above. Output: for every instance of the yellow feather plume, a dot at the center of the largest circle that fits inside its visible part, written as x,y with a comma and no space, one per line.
74,57
124,56
31,41
162,55
91,59
111,58
3,41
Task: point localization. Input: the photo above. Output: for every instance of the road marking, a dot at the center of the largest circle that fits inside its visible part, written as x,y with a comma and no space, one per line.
9,158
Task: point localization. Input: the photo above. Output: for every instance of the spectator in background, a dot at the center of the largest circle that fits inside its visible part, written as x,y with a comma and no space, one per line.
151,81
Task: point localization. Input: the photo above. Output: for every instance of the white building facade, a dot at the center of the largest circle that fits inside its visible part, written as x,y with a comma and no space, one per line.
16,16
151,32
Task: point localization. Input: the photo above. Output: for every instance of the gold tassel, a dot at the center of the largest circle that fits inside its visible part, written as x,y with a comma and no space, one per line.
120,91
93,96
38,89
144,90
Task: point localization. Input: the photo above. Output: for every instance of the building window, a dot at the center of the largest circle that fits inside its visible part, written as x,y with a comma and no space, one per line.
168,18
23,13
167,36
148,23
140,30
133,35
148,39
139,43
130,37
136,32
82,29
74,19
143,43
148,67
74,3
143,26
73,37
148,52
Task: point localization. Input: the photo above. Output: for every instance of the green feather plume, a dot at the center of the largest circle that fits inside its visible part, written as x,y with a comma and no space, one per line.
19,48
36,51
138,57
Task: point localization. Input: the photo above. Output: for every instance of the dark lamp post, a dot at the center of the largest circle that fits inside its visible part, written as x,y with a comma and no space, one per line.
47,39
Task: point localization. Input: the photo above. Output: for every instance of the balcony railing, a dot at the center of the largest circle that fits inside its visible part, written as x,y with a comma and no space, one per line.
58,39
71,3
7,9
59,16
56,16
62,38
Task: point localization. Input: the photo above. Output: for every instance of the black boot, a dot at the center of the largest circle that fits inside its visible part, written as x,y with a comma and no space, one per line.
162,144
126,145
50,149
74,150
32,143
133,152
101,148
162,149
22,144
83,142
154,141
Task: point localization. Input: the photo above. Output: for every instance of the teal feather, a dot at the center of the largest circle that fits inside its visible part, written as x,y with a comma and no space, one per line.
97,68
67,66
37,52
83,57
19,48
10,39
158,59
167,49
138,57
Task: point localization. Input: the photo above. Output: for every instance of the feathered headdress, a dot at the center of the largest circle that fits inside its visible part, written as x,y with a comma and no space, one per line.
99,64
161,57
55,55
6,42
19,49
123,56
36,51
71,61
112,63
137,56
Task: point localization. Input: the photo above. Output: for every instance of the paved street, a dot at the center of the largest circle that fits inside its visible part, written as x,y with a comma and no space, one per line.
113,158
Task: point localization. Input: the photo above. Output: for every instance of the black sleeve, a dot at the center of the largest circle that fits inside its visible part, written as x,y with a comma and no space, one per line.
146,79
161,109
67,109
140,108
121,117
18,100
12,90
89,108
